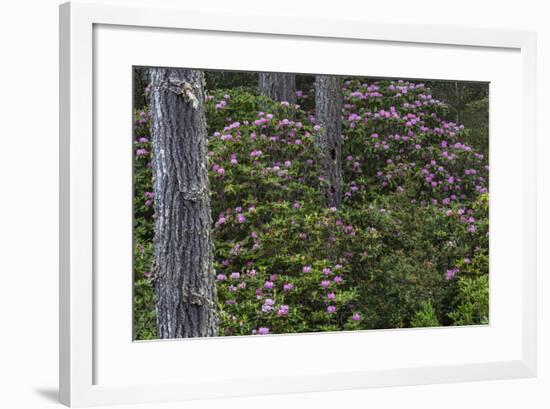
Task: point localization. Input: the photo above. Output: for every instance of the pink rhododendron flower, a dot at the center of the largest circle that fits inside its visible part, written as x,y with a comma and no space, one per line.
283,310
325,283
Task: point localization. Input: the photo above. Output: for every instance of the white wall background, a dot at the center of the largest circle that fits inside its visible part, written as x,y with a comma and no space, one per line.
29,191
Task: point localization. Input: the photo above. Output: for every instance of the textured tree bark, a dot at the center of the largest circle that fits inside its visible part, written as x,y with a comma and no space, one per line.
140,82
458,102
328,138
277,86
184,272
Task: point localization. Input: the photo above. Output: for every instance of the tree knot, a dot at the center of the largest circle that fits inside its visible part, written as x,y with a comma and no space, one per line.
179,87
184,89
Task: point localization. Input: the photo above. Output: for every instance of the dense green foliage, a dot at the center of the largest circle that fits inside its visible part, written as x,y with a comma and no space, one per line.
425,316
408,247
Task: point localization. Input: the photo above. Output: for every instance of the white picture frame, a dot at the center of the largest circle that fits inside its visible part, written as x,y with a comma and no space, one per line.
80,292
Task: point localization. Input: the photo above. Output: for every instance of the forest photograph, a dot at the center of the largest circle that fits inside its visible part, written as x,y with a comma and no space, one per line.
280,203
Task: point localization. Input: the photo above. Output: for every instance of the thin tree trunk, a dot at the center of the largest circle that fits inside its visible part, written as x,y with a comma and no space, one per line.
458,102
278,86
140,82
328,136
184,272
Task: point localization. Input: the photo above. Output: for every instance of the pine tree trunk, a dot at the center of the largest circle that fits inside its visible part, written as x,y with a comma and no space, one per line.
458,102
278,86
184,272
328,138
140,81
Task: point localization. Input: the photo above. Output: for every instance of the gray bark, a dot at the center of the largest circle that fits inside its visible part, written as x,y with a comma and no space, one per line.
140,82
184,272
458,102
328,139
278,86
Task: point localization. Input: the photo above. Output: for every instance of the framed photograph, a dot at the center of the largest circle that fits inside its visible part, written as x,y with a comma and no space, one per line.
254,204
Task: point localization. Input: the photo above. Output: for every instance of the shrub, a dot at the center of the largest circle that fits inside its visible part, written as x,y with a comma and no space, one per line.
472,301
425,317
413,225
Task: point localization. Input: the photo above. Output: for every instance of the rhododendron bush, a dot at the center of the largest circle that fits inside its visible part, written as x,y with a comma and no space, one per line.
407,247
